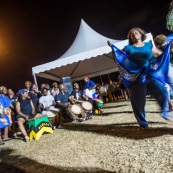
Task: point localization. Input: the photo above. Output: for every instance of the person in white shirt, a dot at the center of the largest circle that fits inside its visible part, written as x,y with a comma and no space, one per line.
47,105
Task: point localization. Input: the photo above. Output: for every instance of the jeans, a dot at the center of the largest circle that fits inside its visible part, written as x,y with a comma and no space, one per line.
170,79
138,97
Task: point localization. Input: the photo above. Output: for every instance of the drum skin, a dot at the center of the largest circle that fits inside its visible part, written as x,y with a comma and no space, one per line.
86,106
50,114
76,109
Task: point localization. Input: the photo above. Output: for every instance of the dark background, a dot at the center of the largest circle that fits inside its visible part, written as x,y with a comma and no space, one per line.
33,32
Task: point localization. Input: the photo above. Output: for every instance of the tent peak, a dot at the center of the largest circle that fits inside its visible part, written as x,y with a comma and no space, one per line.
86,39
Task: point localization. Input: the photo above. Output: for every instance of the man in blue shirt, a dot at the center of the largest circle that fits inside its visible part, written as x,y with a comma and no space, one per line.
89,84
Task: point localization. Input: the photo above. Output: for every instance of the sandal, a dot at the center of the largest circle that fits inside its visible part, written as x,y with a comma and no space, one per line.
8,139
2,143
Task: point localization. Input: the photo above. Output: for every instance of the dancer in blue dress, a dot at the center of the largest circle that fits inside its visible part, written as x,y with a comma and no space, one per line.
139,76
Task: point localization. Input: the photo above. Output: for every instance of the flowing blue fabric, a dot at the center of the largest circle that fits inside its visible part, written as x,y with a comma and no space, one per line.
169,38
129,70
159,69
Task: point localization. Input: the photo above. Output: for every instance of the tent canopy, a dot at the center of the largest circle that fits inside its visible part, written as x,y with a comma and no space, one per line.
88,55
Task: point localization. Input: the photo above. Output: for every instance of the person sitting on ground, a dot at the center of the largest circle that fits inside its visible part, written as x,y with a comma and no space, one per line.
47,105
25,110
62,100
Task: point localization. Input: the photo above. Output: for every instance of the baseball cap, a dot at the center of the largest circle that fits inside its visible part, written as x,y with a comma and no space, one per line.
22,91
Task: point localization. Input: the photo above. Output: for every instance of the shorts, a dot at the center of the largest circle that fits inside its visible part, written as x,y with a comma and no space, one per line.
29,115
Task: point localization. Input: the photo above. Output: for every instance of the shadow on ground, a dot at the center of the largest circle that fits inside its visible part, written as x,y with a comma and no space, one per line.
18,164
114,106
124,130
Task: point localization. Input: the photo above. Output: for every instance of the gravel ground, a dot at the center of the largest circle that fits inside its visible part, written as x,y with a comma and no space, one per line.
112,142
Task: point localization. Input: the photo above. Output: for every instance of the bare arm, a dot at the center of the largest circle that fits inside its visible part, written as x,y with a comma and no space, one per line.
156,52
53,103
33,108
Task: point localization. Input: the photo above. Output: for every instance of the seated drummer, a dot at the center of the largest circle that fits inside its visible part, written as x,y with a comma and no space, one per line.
78,96
47,104
90,91
64,104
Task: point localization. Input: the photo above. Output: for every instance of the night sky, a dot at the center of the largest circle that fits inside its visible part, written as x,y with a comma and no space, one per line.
34,32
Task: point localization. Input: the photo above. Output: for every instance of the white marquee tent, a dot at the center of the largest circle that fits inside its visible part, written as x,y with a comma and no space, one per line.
88,55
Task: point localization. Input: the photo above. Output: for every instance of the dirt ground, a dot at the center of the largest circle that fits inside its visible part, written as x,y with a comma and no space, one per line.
112,142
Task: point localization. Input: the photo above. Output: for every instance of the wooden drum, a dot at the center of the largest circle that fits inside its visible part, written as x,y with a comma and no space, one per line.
52,117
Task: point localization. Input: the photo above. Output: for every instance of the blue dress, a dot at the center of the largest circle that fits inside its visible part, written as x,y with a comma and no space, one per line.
133,65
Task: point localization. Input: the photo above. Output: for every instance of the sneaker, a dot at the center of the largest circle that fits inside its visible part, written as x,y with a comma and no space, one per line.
53,127
167,116
27,139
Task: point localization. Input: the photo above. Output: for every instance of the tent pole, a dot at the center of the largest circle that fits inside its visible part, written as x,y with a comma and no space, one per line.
101,79
80,85
35,80
109,77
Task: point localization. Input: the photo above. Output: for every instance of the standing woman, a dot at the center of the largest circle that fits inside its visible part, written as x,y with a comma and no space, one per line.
140,53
